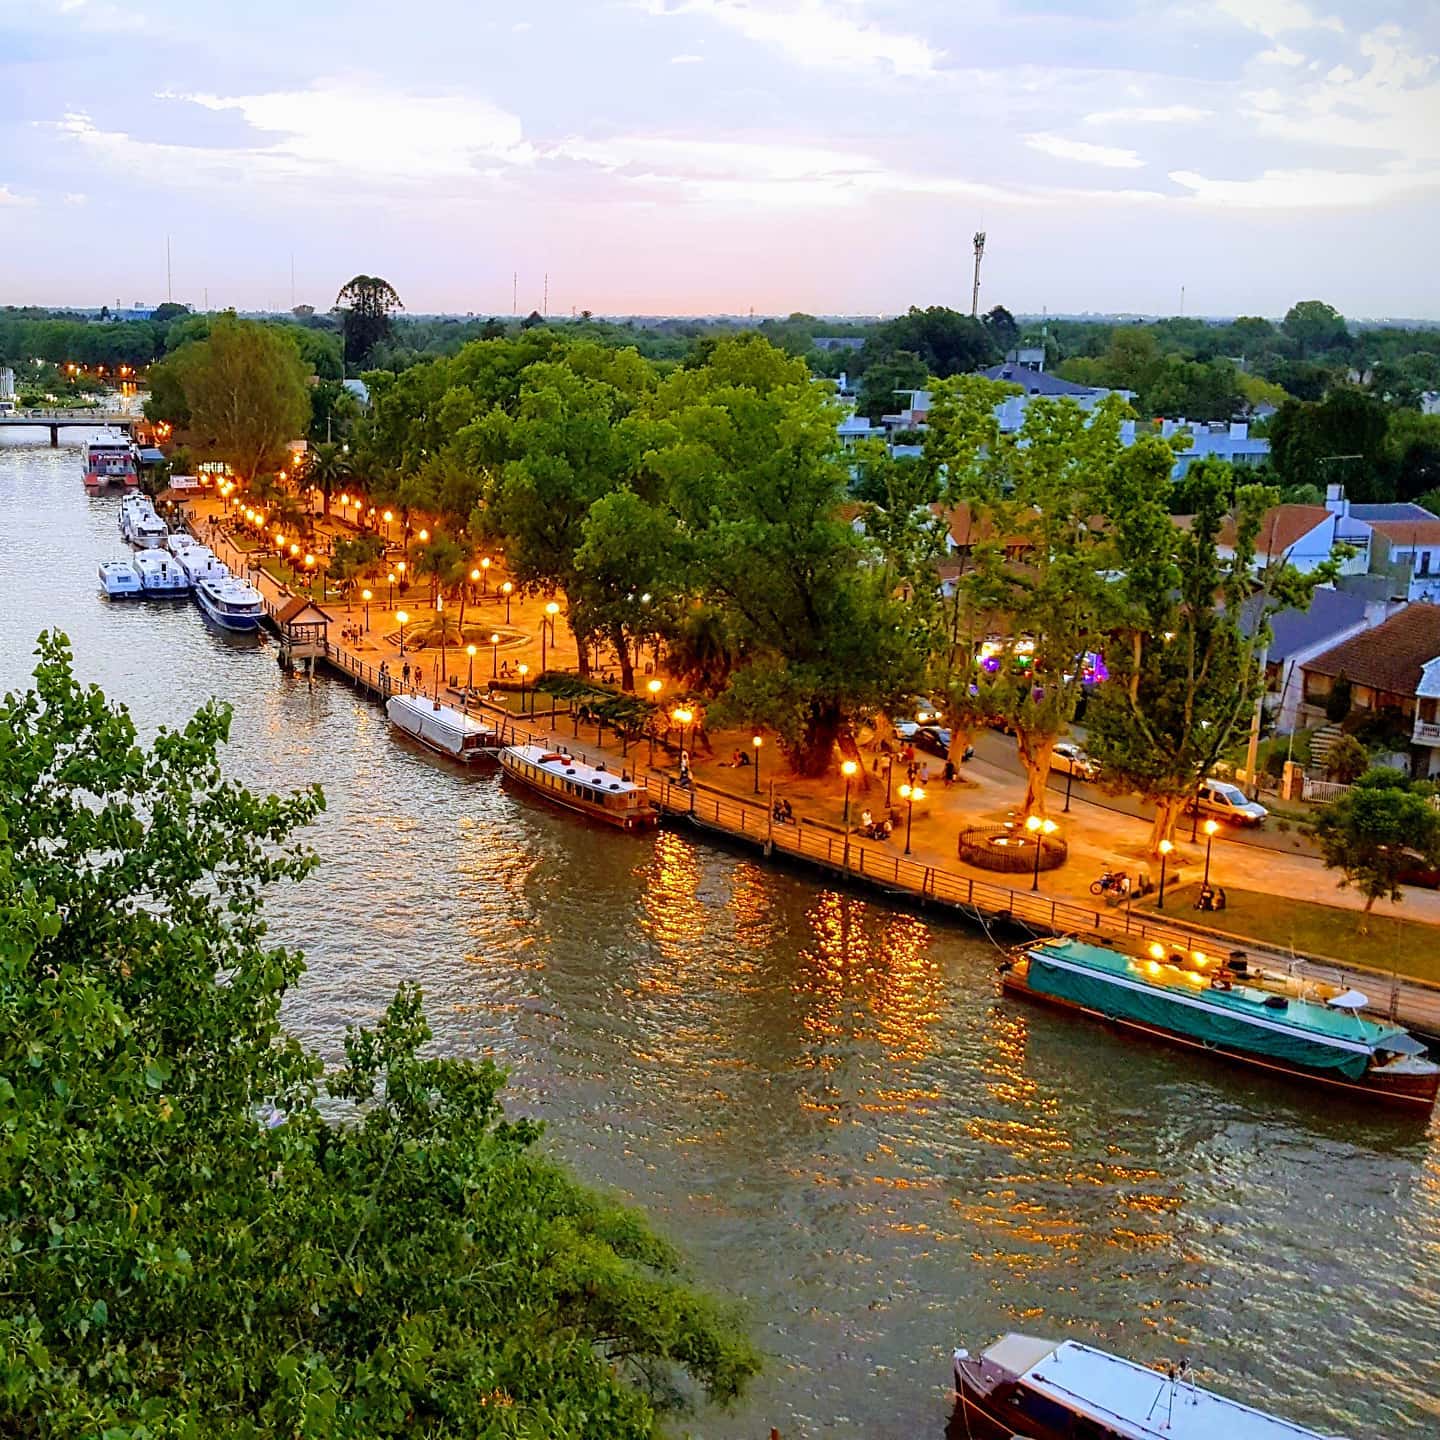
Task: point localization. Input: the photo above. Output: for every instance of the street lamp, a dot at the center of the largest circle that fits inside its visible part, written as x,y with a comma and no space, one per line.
1038,829
494,656
653,686
847,769
757,741
474,577
391,578
1165,848
485,577
682,718
507,587
315,574
910,794
1210,828
523,670
387,517
404,620
367,596
552,610
400,570
470,683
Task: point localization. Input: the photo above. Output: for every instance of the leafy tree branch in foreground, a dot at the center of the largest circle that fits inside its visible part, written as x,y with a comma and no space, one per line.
188,1246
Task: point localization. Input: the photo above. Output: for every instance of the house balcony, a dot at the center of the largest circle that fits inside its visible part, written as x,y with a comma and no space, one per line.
1426,732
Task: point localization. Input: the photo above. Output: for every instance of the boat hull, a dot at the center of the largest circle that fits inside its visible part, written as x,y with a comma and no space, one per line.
630,820
1407,1091
241,624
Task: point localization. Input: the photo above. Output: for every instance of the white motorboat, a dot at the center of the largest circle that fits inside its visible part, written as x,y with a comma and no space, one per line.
181,540
199,563
160,574
148,531
119,578
441,727
230,602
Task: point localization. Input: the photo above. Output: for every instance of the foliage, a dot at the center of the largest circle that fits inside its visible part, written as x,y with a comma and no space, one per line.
1411,454
1347,760
246,394
1184,678
200,1232
1338,701
366,303
1339,439
1366,833
1315,326
885,376
327,469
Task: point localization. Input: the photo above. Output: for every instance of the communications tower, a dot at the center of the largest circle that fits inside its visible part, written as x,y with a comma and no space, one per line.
975,293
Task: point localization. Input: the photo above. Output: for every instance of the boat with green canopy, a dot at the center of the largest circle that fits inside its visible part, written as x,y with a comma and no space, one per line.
1194,999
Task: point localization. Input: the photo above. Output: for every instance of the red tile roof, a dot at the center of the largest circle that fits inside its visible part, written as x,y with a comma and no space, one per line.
1281,528
1391,656
1407,532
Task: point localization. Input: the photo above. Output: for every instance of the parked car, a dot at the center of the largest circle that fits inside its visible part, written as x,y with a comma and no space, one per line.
1419,871
1067,758
934,738
1227,802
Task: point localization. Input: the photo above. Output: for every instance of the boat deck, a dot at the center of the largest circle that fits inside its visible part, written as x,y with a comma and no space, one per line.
1245,1001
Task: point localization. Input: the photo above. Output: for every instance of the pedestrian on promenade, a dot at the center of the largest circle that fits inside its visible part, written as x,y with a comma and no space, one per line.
949,773
405,674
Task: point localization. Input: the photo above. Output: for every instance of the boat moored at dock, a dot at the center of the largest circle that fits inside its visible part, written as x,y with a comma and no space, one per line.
230,602
142,527
589,789
159,573
119,579
442,728
1212,1004
110,460
1053,1390
199,562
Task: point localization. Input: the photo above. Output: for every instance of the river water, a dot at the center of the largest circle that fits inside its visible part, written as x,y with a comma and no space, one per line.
824,1101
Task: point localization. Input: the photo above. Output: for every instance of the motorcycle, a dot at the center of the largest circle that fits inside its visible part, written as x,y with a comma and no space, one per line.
1112,882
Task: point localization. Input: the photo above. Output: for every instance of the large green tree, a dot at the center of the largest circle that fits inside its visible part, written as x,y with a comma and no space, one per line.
203,1233
1372,833
366,303
246,393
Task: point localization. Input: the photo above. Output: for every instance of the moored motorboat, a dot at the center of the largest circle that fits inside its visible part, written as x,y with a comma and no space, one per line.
442,728
1197,1000
159,573
119,579
589,789
1053,1390
230,602
199,562
180,541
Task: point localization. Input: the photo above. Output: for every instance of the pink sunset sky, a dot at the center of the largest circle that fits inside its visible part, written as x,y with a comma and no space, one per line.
702,156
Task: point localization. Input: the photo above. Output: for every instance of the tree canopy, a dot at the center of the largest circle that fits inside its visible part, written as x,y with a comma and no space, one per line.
202,1231
366,303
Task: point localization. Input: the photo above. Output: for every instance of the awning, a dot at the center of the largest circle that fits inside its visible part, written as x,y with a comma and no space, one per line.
1401,1043
151,456
1350,1000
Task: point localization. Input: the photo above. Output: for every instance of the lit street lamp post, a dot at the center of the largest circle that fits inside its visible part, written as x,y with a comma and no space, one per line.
757,741
524,670
1069,781
1210,828
367,596
470,681
847,769
391,578
1039,829
654,687
682,718
485,575
404,620
1165,848
505,589
910,794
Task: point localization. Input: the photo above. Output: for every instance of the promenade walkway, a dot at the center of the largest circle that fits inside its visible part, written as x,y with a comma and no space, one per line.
931,875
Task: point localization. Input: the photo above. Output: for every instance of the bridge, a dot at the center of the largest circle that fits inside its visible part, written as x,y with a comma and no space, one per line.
57,420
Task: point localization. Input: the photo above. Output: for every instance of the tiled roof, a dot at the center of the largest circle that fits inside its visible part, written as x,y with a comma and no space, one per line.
1391,656
1331,613
1037,382
1281,528
1408,532
298,606
1394,510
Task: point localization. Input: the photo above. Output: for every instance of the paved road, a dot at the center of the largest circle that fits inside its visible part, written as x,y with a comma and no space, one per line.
998,751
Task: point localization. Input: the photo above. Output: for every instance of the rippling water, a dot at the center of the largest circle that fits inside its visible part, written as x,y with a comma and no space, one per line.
824,1101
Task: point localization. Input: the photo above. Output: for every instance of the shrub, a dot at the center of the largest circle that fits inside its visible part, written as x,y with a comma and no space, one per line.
1337,703
1347,760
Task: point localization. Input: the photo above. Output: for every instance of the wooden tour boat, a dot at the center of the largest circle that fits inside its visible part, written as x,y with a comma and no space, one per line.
1208,1003
589,789
1048,1390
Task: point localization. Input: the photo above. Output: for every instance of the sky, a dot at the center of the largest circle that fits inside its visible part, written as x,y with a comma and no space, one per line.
718,156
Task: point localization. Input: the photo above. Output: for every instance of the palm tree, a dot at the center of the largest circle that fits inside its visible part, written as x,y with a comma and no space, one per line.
328,470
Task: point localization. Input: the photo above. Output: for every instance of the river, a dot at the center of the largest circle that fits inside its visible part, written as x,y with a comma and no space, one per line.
824,1101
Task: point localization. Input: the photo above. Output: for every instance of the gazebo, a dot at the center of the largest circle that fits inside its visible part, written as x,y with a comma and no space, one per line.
303,627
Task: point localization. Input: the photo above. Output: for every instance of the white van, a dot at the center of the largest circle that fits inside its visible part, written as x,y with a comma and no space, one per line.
1227,802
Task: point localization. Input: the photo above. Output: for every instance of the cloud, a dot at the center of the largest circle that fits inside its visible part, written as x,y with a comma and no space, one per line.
1280,55
1305,189
823,34
9,197
1083,153
686,59
74,197
1150,115
1273,18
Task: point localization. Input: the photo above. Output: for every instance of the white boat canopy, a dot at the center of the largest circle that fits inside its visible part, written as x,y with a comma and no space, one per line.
1350,1000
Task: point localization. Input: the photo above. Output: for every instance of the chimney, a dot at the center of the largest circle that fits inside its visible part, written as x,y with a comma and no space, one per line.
1335,501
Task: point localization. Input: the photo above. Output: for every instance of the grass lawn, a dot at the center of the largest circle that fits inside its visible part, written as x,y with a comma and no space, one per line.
1313,929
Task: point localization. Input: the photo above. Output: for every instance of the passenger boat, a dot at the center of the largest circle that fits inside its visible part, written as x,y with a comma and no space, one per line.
159,574
230,602
1053,1390
589,789
110,460
119,578
442,728
180,541
142,527
199,563
1190,998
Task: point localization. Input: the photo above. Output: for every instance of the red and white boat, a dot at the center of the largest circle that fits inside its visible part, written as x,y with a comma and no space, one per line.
110,460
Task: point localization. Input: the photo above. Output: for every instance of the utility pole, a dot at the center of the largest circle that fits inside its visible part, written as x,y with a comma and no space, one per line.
975,293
